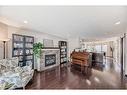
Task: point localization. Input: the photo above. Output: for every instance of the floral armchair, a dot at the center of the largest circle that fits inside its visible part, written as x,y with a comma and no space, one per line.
8,64
10,72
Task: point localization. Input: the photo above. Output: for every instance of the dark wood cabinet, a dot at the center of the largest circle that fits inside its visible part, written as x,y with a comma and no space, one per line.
22,47
97,57
63,52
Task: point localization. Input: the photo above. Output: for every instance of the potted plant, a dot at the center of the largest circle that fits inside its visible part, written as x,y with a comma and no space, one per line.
37,49
37,52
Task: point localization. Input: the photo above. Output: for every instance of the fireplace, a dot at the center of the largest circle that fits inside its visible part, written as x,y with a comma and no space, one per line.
50,59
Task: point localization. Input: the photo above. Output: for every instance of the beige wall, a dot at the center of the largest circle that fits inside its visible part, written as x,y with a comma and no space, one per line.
1,50
3,31
3,35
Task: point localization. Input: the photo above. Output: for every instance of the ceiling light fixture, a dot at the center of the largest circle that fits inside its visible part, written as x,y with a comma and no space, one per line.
117,23
25,21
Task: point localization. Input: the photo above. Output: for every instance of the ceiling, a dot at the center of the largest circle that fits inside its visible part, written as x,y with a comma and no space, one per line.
69,21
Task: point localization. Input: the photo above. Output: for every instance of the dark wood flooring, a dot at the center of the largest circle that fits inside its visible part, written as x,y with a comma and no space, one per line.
107,76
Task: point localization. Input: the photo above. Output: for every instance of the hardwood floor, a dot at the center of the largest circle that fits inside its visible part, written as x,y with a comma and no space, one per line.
107,76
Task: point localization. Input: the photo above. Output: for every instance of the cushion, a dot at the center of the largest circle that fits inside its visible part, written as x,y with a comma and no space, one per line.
3,62
2,84
5,85
18,70
7,73
13,62
26,68
15,79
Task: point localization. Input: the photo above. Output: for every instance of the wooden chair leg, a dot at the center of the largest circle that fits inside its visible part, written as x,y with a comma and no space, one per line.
82,69
86,69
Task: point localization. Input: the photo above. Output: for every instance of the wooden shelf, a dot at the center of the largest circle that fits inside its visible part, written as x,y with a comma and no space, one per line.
29,59
26,40
17,55
29,42
63,51
18,42
21,61
17,48
28,48
28,54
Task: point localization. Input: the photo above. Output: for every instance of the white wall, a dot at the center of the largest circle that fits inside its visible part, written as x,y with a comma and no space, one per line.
72,44
125,54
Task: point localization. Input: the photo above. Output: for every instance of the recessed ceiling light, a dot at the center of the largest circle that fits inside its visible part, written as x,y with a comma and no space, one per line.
117,23
25,21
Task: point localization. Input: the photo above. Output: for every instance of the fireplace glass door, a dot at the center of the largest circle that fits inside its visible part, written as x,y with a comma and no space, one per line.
50,59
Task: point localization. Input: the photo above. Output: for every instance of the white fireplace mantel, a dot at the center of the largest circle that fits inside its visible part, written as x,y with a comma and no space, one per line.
41,61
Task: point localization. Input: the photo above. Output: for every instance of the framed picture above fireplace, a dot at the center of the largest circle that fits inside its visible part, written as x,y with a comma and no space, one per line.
48,43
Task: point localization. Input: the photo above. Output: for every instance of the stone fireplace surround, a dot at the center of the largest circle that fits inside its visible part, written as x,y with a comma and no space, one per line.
41,61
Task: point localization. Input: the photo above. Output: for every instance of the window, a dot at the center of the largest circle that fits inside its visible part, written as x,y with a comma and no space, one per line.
104,48
98,48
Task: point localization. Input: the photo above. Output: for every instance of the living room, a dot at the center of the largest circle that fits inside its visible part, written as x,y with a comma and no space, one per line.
61,43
